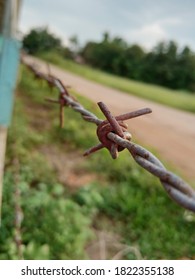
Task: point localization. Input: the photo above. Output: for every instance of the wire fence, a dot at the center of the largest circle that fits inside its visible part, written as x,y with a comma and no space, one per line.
113,135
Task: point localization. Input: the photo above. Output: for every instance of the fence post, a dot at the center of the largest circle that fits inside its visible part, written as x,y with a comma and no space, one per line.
3,136
9,60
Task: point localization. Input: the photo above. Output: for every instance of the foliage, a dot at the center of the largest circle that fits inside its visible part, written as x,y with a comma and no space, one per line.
165,65
54,227
40,39
144,216
102,55
176,99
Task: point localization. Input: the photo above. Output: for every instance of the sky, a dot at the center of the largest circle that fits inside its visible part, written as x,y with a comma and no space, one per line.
145,22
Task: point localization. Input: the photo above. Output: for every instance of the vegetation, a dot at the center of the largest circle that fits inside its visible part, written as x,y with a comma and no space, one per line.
166,64
176,99
59,223
41,40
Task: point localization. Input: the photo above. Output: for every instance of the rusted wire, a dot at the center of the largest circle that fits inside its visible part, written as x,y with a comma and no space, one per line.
113,135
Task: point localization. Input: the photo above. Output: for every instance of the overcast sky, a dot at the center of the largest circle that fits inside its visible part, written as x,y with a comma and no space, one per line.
145,22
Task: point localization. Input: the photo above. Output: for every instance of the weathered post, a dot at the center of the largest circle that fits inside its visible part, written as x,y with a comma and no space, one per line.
9,60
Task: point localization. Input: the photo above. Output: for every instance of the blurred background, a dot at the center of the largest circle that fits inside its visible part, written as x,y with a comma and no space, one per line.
130,54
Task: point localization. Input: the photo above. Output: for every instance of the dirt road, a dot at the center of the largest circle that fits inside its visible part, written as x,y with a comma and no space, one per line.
168,131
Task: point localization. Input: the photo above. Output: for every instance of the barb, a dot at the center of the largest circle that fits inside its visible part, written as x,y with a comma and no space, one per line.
113,135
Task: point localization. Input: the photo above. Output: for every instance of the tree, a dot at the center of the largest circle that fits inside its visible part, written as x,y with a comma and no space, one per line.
134,61
164,65
104,54
186,69
40,39
160,66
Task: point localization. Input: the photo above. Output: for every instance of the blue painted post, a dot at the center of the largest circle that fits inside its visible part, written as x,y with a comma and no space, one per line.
9,60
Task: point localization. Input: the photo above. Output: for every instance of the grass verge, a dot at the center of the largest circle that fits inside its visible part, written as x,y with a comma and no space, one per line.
176,99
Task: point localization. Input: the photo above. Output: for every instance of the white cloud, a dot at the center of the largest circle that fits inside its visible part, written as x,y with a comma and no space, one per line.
147,35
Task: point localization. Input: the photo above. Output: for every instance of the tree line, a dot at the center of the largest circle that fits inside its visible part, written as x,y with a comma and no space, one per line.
166,64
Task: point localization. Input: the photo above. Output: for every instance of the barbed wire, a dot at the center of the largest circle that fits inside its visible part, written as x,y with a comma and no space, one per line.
113,135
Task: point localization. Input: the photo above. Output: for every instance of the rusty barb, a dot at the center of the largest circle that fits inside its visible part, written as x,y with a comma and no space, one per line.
114,125
113,135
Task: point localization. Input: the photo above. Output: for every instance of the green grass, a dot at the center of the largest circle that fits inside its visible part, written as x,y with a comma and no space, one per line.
176,99
124,199
53,225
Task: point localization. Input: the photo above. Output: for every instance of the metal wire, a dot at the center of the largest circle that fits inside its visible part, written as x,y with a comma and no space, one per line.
114,136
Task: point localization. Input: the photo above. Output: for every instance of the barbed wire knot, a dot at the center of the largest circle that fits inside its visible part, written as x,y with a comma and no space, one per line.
116,126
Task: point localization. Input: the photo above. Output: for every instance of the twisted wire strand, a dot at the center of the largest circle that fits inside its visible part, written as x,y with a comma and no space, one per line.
87,115
177,189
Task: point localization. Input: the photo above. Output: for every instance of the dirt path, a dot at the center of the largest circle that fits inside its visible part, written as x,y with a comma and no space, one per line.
169,131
